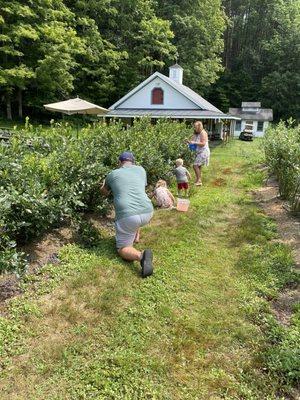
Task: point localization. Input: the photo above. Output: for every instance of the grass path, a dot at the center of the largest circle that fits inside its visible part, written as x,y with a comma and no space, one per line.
92,329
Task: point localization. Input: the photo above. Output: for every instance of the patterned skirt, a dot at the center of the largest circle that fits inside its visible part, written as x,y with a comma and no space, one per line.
202,158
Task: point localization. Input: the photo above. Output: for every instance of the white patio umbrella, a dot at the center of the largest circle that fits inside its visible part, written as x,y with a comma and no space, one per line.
76,106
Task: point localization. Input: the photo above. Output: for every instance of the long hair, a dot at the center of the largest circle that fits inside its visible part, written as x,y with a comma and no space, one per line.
161,183
198,126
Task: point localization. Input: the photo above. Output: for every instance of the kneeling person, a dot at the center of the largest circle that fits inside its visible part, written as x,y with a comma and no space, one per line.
133,209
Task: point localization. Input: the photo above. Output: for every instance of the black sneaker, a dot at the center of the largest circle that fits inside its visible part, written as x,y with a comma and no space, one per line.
146,263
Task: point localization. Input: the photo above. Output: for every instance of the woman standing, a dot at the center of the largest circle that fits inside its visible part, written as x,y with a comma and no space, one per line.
200,138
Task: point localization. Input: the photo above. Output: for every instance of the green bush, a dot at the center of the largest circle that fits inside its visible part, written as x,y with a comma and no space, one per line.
49,175
10,259
87,235
282,148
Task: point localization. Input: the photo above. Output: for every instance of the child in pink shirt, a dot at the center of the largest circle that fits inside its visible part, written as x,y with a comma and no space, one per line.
163,196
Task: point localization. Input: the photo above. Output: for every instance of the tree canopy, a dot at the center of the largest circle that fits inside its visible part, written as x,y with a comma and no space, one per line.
262,56
231,50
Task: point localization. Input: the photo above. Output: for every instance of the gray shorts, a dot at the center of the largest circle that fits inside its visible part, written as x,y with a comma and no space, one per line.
126,229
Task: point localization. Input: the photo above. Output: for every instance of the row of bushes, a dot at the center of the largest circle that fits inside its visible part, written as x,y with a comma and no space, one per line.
282,148
50,175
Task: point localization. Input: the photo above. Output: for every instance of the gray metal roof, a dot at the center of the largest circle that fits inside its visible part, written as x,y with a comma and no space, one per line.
263,114
250,104
159,113
190,94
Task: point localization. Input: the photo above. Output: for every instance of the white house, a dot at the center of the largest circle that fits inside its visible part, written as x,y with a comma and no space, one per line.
253,118
160,96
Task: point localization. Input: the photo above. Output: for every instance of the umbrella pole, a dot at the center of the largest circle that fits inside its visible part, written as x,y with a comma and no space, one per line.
77,126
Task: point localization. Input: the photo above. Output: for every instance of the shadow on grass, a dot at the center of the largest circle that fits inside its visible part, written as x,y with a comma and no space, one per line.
106,247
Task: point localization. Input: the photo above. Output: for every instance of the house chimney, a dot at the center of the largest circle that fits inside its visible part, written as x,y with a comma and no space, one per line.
176,73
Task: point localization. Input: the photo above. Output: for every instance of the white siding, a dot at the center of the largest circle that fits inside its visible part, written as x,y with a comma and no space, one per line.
255,132
261,134
172,98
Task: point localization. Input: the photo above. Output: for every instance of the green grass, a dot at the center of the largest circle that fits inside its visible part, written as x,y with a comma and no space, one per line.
200,328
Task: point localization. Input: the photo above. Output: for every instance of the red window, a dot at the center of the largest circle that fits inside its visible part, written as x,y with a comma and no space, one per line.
157,96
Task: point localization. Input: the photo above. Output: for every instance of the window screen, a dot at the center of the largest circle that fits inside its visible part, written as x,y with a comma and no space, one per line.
260,126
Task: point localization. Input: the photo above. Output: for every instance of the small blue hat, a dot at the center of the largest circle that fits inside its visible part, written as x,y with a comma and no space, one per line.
126,156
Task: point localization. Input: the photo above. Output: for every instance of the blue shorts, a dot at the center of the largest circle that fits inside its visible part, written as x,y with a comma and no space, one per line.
126,229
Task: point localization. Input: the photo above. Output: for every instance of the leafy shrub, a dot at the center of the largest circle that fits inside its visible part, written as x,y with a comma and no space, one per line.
10,259
282,356
87,234
48,175
282,148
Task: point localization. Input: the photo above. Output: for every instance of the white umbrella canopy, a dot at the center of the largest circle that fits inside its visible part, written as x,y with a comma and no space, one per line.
76,106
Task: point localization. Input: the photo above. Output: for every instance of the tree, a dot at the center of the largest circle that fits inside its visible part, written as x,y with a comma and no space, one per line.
146,38
261,56
16,33
198,27
280,69
38,50
56,51
98,64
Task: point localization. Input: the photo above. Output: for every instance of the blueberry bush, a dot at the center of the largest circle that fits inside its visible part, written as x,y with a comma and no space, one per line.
282,148
50,175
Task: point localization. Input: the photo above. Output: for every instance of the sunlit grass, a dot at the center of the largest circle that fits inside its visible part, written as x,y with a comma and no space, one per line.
96,330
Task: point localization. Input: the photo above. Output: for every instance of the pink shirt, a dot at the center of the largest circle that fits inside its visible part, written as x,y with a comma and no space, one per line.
162,197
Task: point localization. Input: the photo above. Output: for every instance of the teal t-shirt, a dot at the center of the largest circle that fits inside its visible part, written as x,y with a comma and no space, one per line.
128,187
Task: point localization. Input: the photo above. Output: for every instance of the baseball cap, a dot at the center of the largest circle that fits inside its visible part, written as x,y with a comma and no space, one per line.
126,156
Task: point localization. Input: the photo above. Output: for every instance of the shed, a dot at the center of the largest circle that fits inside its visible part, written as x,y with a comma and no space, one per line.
253,118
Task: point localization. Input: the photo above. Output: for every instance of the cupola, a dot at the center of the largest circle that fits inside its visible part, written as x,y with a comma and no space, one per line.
176,73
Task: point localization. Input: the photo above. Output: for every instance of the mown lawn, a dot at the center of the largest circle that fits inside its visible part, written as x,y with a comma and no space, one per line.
200,328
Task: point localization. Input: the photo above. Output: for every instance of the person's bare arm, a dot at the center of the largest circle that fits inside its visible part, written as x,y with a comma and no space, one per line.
104,190
203,139
188,174
151,195
171,196
191,141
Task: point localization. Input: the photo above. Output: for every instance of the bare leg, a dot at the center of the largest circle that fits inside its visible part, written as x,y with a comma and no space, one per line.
137,236
179,193
197,169
130,254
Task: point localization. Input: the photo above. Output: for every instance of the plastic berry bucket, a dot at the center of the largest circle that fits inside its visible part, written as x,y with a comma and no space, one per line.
183,205
192,146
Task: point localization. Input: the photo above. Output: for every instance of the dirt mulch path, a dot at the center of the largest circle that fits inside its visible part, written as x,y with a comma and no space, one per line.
289,231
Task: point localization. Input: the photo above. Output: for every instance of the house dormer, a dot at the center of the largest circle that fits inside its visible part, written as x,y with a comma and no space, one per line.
176,73
251,106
